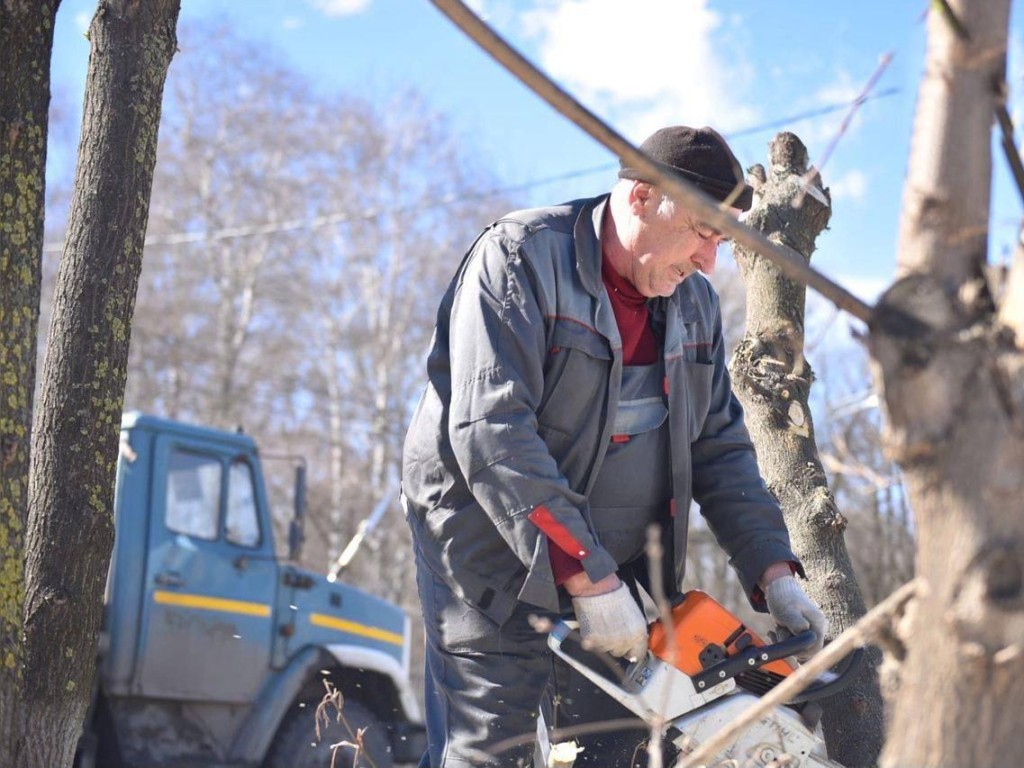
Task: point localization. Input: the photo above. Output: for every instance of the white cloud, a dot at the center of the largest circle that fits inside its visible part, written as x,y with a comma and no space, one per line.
853,185
292,22
658,63
82,21
340,7
501,15
841,90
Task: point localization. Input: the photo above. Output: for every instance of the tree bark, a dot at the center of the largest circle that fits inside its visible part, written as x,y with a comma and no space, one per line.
75,433
952,384
773,380
26,41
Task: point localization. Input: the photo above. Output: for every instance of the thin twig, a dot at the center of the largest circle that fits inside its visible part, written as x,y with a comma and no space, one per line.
883,64
1009,145
843,127
859,634
333,698
837,466
655,559
790,263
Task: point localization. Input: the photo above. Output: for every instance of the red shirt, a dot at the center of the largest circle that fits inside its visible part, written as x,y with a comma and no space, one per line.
639,345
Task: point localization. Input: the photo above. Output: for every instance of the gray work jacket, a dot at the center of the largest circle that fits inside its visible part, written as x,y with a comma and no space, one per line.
524,374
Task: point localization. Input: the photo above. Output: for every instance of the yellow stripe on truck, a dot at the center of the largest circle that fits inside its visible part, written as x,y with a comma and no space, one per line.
355,628
207,603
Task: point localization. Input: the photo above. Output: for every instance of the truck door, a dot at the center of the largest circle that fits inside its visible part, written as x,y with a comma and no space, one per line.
207,620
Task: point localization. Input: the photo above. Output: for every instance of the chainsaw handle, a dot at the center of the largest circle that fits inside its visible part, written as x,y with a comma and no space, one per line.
753,657
851,665
757,656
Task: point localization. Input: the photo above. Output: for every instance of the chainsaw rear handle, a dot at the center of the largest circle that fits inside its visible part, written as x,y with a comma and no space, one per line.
851,665
752,657
748,659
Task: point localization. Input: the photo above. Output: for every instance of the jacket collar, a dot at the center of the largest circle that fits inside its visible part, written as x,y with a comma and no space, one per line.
587,234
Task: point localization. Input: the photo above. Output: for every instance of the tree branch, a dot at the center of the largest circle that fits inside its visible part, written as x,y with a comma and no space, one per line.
686,194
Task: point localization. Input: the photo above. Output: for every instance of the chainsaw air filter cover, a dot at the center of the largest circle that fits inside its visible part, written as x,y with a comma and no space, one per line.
705,633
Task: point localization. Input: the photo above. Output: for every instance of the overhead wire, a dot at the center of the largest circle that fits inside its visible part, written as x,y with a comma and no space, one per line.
344,217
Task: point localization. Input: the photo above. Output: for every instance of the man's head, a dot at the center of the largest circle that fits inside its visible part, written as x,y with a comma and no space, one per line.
702,157
657,244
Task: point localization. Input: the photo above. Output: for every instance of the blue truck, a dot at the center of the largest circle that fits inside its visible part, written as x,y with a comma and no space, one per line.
214,650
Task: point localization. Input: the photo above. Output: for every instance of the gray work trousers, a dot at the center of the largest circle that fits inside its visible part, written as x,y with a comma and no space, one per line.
486,684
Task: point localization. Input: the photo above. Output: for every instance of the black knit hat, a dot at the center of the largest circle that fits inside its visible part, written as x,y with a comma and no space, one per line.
702,157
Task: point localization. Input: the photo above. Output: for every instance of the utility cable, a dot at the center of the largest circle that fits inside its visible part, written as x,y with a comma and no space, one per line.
339,218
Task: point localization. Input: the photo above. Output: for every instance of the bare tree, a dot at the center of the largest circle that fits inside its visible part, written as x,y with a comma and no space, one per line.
52,620
233,167
773,380
866,483
375,315
951,374
296,240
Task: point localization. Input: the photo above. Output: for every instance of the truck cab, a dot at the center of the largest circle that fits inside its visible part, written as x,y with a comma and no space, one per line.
214,650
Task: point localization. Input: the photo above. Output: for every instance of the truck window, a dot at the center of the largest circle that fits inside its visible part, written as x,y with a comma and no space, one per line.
193,494
242,525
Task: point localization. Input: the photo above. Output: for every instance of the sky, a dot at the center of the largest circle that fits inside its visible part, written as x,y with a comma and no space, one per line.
747,68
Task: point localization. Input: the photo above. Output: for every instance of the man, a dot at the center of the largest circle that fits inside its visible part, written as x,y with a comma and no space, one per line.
577,394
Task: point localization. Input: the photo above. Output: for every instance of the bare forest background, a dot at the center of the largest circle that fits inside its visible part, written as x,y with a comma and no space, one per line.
298,245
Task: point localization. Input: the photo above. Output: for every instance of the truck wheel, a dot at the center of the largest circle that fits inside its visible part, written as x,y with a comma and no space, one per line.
295,745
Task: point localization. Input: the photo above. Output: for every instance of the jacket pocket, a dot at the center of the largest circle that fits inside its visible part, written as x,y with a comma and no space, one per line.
698,380
575,379
634,417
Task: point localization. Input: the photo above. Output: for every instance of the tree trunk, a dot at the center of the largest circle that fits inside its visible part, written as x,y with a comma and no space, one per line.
26,40
75,434
773,380
952,381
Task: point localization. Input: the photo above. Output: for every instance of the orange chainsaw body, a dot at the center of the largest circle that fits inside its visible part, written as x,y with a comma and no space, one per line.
700,621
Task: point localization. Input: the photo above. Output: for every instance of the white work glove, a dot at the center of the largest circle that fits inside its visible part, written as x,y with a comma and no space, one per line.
612,623
795,612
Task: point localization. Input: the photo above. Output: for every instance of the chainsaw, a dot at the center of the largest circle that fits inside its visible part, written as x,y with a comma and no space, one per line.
703,672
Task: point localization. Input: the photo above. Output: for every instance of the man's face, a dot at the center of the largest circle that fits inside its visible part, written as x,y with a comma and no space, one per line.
667,251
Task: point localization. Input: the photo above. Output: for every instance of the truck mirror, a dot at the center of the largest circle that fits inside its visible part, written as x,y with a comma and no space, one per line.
296,533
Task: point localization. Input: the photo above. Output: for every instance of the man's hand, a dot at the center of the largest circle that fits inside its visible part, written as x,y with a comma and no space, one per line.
612,622
795,612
